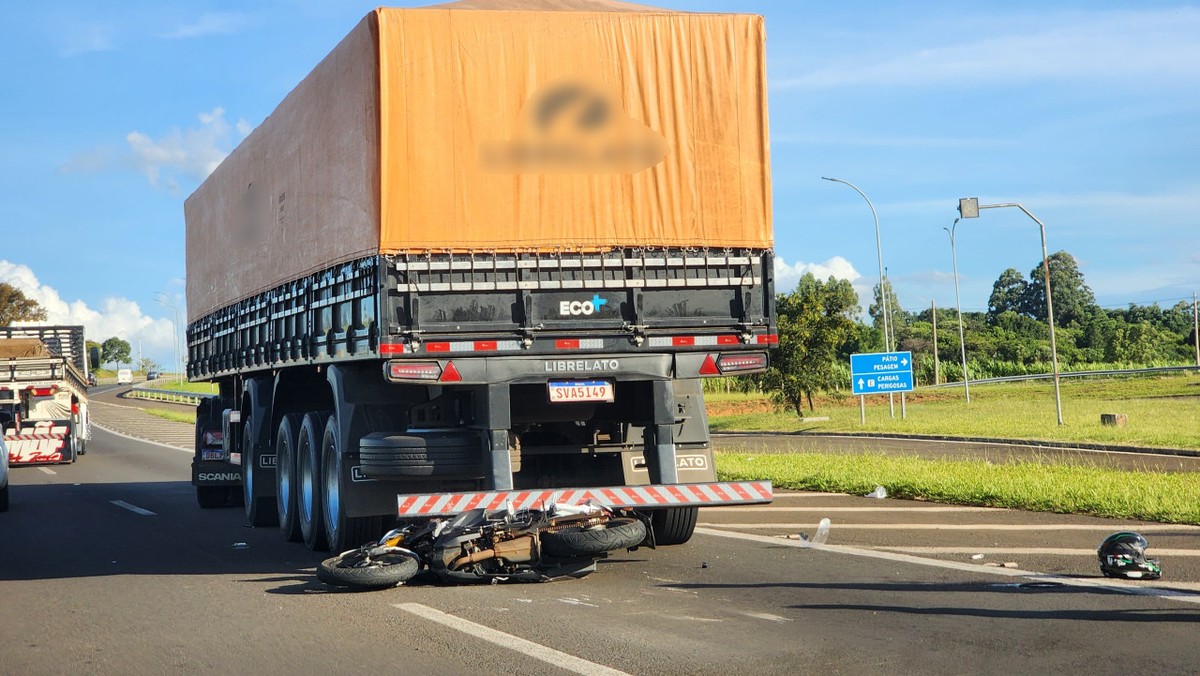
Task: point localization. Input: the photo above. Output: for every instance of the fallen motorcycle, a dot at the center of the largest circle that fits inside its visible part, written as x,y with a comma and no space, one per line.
529,545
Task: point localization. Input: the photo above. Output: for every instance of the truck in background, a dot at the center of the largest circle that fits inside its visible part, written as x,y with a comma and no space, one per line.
43,393
422,290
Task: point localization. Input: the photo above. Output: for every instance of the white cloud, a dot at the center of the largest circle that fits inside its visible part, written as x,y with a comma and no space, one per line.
79,39
182,156
192,153
119,317
1143,46
220,23
787,275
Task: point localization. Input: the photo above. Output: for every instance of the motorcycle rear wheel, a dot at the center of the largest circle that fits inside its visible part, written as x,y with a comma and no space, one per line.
357,568
605,537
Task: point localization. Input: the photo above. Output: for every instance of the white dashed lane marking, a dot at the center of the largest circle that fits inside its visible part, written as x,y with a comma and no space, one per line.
133,508
537,651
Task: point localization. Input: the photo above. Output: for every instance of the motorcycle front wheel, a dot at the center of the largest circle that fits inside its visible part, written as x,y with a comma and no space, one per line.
608,536
359,568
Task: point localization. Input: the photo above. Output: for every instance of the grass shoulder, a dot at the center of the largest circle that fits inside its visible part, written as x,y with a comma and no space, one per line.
172,415
1034,485
1160,409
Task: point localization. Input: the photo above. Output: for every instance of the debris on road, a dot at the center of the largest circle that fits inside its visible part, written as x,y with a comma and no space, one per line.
819,538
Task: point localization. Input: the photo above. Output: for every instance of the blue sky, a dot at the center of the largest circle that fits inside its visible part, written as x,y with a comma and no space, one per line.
1088,113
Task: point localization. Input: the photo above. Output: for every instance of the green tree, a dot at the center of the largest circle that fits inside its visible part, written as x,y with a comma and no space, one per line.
16,307
115,350
896,316
815,321
1073,301
1008,295
1141,343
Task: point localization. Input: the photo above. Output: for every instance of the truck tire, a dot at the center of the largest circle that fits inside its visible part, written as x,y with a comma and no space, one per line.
449,453
358,569
260,510
308,481
341,531
673,526
609,536
285,476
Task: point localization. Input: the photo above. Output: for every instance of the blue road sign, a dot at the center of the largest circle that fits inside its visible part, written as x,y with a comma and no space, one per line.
881,373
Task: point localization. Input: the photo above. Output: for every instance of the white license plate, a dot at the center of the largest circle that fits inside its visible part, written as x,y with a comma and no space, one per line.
570,391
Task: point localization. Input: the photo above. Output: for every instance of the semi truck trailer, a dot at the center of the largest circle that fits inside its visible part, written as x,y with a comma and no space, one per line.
486,253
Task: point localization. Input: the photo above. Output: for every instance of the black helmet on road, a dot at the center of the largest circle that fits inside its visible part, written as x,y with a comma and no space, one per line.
1124,555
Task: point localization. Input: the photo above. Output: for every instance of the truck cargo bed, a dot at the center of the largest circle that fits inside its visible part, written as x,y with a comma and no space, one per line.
624,301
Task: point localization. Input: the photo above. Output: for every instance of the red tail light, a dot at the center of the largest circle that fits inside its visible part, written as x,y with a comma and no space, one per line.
414,370
736,363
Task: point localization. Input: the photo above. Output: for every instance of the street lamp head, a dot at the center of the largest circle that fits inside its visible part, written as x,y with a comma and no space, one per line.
968,207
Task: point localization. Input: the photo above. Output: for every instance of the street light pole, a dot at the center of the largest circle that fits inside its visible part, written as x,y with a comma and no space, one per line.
166,301
887,347
969,207
958,301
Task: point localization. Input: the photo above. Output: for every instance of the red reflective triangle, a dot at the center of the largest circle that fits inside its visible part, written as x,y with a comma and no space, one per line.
450,374
709,367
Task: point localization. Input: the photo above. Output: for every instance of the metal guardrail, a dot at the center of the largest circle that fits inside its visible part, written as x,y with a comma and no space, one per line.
175,396
1064,374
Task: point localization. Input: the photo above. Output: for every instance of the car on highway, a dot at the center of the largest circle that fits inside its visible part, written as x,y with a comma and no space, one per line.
3,475
124,377
91,380
151,374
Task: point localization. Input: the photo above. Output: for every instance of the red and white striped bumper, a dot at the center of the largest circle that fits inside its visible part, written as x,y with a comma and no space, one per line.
647,497
34,448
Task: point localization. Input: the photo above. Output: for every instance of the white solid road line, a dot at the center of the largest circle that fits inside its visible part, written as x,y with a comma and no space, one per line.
1057,551
133,508
563,660
1099,528
1095,583
881,508
807,494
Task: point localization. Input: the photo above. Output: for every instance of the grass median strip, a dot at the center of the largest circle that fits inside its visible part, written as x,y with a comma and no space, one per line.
174,416
1031,485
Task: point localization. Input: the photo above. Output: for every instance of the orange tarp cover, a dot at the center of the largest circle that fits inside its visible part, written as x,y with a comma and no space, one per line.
455,128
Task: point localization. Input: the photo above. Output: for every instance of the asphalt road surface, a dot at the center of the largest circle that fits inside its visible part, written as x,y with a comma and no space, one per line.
108,566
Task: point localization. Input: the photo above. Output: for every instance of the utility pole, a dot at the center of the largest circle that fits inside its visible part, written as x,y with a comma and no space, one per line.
937,376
